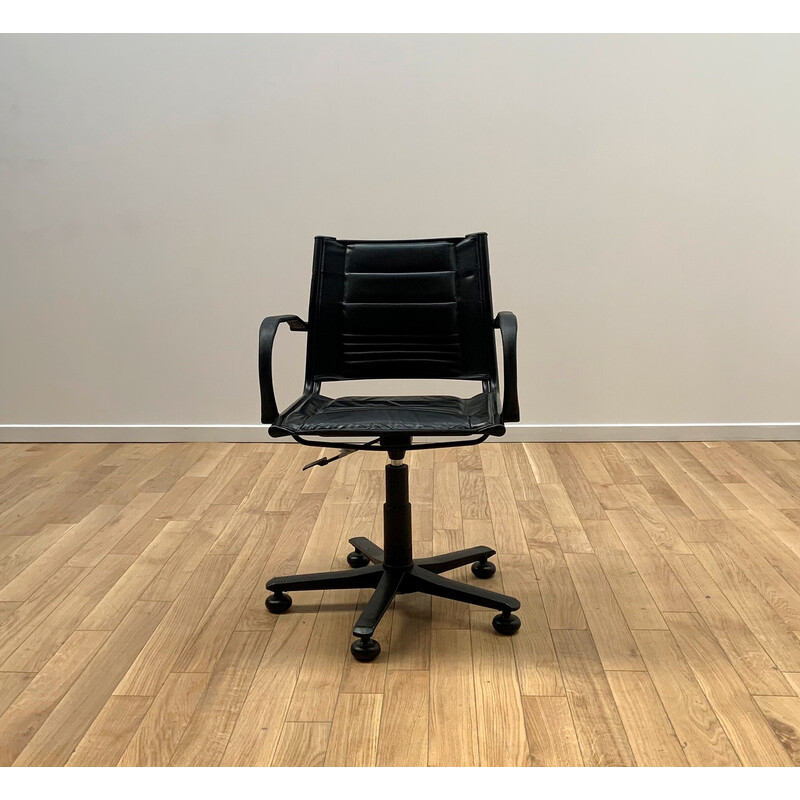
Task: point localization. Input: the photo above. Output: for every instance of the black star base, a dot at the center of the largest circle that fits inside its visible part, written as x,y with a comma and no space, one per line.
394,571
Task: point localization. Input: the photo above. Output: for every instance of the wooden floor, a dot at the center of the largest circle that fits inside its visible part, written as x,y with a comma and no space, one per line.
660,589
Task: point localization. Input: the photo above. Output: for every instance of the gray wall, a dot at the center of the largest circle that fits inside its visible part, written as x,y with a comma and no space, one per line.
160,194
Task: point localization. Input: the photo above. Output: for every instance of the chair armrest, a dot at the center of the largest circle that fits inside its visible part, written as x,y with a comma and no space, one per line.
507,323
266,337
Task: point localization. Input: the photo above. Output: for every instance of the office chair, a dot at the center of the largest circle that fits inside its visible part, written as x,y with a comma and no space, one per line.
397,309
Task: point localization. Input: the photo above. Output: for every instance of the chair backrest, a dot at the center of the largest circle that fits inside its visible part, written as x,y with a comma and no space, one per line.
401,309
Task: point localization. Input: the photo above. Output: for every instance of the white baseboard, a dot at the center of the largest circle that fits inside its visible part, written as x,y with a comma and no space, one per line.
659,432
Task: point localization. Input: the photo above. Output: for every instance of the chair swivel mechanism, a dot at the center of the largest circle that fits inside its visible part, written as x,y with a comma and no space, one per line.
415,309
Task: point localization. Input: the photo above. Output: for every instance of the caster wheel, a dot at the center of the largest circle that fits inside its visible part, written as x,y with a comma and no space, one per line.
357,559
483,569
278,603
365,649
506,624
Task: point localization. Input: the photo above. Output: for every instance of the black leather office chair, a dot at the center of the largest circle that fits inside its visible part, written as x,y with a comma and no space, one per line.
397,309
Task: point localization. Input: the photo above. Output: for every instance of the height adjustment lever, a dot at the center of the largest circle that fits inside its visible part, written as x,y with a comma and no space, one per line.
321,462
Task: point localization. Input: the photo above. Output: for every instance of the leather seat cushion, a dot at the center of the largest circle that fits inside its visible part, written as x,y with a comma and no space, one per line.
436,415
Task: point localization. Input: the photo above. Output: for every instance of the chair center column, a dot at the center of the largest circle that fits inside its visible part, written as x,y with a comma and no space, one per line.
397,549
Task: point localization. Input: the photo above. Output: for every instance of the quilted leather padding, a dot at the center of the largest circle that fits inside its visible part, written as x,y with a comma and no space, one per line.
435,415
392,309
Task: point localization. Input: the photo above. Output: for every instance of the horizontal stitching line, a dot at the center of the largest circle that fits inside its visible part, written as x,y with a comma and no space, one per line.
402,274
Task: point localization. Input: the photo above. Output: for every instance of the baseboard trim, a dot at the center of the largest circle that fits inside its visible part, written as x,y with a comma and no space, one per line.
659,432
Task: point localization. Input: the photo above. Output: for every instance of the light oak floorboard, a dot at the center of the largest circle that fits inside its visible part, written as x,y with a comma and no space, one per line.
552,740
597,722
783,716
452,726
154,741
354,733
403,738
501,723
109,734
735,708
699,732
207,734
659,587
302,744
650,734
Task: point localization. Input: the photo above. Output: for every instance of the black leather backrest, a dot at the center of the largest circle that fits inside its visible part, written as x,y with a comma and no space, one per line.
401,309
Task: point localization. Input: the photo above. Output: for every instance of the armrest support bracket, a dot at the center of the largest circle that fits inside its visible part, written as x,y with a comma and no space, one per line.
507,323
266,338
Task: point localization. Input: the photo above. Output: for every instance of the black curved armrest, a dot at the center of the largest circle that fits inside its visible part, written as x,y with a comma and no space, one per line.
507,323
266,336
